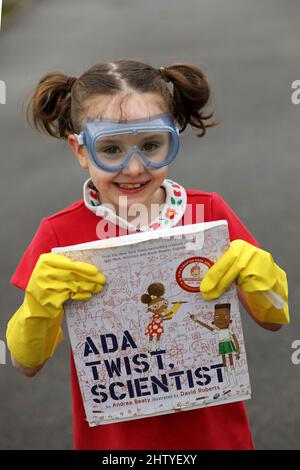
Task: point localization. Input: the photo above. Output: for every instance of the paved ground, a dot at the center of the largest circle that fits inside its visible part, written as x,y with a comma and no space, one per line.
250,52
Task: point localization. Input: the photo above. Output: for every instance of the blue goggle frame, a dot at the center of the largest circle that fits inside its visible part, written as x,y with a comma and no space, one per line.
94,128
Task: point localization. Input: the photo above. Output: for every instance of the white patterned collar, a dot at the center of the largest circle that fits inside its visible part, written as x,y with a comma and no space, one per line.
171,213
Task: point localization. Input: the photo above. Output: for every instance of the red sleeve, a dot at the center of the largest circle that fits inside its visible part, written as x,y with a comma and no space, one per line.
43,241
237,230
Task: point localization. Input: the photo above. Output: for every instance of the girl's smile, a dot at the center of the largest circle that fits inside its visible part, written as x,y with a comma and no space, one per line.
131,187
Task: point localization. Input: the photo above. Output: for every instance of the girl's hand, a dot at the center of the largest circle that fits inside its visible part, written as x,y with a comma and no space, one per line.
56,278
35,330
255,271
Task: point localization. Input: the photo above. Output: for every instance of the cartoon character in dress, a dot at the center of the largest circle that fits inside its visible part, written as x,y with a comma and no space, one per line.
158,307
227,341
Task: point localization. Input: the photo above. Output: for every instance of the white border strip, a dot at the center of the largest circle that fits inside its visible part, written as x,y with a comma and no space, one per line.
141,237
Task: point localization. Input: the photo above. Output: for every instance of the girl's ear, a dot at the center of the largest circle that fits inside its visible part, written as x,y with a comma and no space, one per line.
79,151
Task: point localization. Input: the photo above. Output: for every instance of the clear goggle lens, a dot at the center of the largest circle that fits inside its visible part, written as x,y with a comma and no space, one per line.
112,150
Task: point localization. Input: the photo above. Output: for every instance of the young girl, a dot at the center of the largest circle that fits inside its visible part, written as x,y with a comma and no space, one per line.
120,120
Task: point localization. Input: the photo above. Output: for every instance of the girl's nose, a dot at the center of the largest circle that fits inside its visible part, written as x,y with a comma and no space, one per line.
135,165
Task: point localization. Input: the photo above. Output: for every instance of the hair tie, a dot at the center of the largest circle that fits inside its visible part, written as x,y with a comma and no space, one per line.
162,70
70,83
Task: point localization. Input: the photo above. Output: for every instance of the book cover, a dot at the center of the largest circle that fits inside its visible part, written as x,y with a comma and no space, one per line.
149,344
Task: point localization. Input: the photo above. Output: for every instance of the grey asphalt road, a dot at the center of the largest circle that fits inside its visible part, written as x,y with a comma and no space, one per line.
250,53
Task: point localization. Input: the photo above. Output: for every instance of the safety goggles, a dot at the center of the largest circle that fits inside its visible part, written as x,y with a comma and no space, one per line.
111,144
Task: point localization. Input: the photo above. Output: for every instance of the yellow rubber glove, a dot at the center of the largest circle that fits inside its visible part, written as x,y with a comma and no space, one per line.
35,329
256,273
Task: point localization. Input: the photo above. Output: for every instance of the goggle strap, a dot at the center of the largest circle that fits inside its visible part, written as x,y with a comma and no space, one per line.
79,138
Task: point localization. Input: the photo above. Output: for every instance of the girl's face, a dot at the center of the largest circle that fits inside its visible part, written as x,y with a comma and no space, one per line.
159,306
135,106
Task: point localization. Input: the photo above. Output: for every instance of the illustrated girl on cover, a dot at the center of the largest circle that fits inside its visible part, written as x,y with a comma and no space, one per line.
157,305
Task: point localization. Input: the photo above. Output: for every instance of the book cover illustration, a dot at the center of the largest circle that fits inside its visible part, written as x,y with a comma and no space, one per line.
149,344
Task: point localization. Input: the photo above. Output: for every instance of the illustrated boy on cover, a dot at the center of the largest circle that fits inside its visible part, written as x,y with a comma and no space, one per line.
228,342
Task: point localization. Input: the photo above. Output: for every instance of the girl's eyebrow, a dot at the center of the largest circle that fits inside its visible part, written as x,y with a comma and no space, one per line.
116,138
